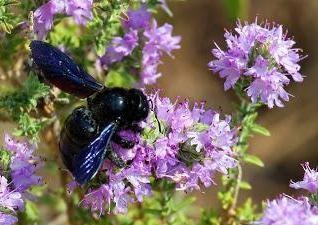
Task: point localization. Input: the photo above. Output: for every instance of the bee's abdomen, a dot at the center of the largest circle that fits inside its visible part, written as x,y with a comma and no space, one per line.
79,130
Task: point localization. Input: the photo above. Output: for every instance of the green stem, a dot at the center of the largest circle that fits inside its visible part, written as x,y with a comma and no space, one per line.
230,194
237,188
166,193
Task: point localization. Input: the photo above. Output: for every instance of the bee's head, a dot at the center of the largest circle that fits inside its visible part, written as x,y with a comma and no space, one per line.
118,104
139,105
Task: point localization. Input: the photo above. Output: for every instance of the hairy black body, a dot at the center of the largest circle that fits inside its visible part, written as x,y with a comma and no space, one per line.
87,132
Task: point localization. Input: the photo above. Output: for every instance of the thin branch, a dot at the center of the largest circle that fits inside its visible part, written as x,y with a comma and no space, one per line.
237,188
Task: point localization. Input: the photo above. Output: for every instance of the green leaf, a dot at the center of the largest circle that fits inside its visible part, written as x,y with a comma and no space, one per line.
151,135
226,198
7,19
5,160
63,34
245,185
119,78
250,119
252,159
199,127
31,213
313,197
184,203
156,212
258,129
210,217
248,212
29,127
11,47
106,23
21,102
25,98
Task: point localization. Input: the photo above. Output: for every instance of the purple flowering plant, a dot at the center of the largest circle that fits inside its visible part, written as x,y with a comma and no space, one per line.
18,174
261,60
301,210
144,41
81,11
184,147
187,149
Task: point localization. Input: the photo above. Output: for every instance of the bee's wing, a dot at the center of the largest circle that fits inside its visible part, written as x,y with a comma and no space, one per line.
60,70
87,163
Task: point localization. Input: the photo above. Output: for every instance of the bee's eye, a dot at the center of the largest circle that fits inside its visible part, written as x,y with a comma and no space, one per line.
139,104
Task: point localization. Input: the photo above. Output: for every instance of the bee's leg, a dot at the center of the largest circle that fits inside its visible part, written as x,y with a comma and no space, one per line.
123,142
112,156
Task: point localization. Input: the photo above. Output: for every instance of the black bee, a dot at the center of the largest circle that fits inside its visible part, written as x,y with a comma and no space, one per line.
87,132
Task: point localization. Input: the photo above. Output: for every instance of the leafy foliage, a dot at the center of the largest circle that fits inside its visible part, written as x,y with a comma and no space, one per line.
106,23
5,159
120,78
31,215
248,211
21,106
7,18
161,208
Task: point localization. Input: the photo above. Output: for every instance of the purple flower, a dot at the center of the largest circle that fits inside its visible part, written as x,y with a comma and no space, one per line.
117,191
119,48
98,199
310,180
122,197
81,11
263,57
43,16
7,219
22,167
195,148
71,186
138,176
161,37
154,41
137,19
159,41
9,199
23,164
286,210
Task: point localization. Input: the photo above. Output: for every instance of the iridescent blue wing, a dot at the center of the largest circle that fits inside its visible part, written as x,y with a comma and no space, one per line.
60,70
87,163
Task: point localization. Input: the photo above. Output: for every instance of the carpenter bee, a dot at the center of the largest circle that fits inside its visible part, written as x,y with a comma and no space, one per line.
88,130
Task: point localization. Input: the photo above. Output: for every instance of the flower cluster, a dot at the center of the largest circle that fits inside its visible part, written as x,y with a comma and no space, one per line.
260,58
81,11
141,30
22,167
287,210
183,145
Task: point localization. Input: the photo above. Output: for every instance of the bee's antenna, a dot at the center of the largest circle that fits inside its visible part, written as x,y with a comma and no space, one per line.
154,109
